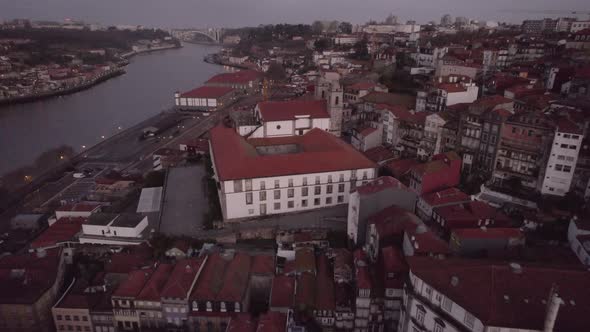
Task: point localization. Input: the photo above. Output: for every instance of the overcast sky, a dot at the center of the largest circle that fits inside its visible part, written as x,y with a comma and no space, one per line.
236,13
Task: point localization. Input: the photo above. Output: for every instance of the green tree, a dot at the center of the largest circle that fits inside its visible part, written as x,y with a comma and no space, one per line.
361,51
345,27
321,44
317,27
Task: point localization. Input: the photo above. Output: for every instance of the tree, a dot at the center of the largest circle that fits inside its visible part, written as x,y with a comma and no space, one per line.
321,44
345,27
276,72
361,51
333,27
317,27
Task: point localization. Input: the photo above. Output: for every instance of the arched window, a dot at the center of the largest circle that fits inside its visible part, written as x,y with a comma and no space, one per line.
209,306
237,307
337,100
222,307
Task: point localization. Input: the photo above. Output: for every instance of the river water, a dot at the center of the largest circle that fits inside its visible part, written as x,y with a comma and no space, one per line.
82,118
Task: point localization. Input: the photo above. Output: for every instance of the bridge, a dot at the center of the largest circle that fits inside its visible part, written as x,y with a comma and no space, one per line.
188,35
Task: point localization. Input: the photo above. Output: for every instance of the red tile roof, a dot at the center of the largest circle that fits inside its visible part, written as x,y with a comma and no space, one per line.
401,166
488,233
182,277
426,242
305,260
380,184
362,86
293,109
393,260
64,229
324,285
263,264
240,77
211,279
236,279
320,152
566,126
379,154
499,295
207,92
451,87
272,322
24,278
132,286
305,292
283,290
153,288
241,322
393,221
439,163
367,131
126,262
445,197
471,214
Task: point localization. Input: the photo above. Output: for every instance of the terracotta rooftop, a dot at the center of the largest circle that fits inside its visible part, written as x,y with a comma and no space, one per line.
241,322
509,295
236,279
153,288
379,154
380,184
471,214
132,286
318,151
445,197
64,229
240,77
451,87
283,290
207,92
182,278
293,109
324,285
305,292
272,322
488,233
400,167
24,278
211,279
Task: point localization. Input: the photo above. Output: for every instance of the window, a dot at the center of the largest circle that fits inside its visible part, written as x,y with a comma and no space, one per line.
305,181
59,317
567,169
290,182
341,188
420,313
84,318
469,320
328,200
277,194
290,193
438,327
68,317
317,190
572,147
277,183
248,198
567,136
316,201
560,157
364,175
262,195
341,178
329,189
78,328
237,186
304,203
558,167
575,136
248,184
340,199
330,178
304,191
290,204
447,304
277,206
262,185
317,180
564,146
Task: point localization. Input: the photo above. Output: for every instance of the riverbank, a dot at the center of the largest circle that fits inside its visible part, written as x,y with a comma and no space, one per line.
215,60
64,91
131,54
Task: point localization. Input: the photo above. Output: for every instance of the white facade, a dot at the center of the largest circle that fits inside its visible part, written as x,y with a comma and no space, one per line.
248,198
426,309
561,165
580,248
111,233
346,39
580,25
433,127
299,126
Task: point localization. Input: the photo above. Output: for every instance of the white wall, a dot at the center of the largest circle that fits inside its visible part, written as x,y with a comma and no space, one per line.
558,182
73,214
235,202
468,96
353,216
110,231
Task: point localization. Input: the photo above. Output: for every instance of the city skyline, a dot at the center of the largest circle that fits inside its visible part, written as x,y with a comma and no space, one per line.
231,13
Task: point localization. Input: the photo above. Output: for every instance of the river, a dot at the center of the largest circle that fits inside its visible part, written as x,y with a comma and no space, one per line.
148,87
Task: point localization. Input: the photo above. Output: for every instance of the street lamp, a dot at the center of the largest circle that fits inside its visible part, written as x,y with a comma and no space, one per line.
83,146
102,136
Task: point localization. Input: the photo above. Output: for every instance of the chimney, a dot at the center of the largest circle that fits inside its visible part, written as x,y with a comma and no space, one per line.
552,309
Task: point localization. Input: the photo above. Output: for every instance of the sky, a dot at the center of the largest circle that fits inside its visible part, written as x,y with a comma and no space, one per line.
238,13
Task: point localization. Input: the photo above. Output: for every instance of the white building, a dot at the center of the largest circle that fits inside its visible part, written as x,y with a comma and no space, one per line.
433,126
446,94
578,235
263,176
83,209
454,295
579,25
204,98
346,39
287,118
113,229
559,172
